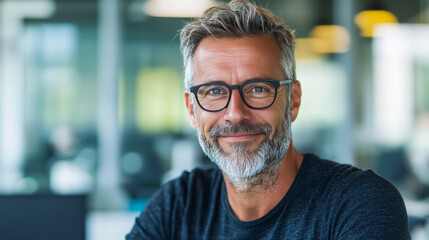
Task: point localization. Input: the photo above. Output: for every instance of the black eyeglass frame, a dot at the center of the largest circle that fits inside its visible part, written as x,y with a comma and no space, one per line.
276,84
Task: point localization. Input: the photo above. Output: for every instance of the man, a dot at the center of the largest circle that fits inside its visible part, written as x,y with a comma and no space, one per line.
242,95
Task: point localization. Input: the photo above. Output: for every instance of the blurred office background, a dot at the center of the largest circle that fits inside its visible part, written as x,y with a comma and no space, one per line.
91,98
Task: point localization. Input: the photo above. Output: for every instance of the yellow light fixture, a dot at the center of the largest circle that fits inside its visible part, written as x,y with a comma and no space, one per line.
304,50
329,39
367,20
176,8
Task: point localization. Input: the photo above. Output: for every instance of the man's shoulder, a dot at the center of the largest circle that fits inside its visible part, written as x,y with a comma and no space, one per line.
347,178
339,172
177,201
187,189
360,204
197,175
195,181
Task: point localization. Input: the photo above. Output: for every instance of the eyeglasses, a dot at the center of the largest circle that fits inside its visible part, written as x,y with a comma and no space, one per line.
256,94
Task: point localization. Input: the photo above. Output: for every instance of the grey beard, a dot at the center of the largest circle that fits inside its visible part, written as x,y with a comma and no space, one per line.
247,170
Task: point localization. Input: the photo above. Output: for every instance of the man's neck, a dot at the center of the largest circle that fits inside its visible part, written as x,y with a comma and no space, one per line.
258,201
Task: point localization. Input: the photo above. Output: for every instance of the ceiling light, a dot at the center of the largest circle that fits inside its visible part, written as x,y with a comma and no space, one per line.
329,39
367,20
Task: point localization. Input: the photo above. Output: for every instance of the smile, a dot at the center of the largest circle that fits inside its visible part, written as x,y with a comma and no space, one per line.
239,137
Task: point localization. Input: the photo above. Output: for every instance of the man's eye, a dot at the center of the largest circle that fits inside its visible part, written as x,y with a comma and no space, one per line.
258,89
215,91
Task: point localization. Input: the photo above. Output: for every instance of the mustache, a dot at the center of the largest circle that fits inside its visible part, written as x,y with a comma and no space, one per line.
237,128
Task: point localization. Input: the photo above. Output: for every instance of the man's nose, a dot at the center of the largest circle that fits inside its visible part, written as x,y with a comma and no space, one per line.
236,110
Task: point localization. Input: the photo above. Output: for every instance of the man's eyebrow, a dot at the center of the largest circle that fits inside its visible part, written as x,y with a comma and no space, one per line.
213,81
257,78
224,82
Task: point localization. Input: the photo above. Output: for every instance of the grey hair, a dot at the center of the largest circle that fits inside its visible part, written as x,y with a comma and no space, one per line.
238,18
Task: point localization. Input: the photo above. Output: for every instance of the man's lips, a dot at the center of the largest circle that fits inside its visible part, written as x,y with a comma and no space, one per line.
239,137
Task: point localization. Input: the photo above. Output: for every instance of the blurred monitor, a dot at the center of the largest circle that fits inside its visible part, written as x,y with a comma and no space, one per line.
47,217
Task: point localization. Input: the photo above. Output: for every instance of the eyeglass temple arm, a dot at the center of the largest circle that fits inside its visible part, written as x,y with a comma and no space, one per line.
286,81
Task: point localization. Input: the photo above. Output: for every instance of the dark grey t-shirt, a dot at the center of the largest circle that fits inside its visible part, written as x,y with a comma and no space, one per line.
327,200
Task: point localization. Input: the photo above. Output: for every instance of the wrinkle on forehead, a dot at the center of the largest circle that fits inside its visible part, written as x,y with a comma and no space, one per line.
214,53
231,45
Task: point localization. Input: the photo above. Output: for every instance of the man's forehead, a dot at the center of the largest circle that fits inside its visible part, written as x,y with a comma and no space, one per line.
237,58
211,47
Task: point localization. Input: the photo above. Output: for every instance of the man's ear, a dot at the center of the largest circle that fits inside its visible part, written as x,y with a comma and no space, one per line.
295,98
190,107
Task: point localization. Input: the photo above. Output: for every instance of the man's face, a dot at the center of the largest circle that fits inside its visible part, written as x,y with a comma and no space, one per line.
239,132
